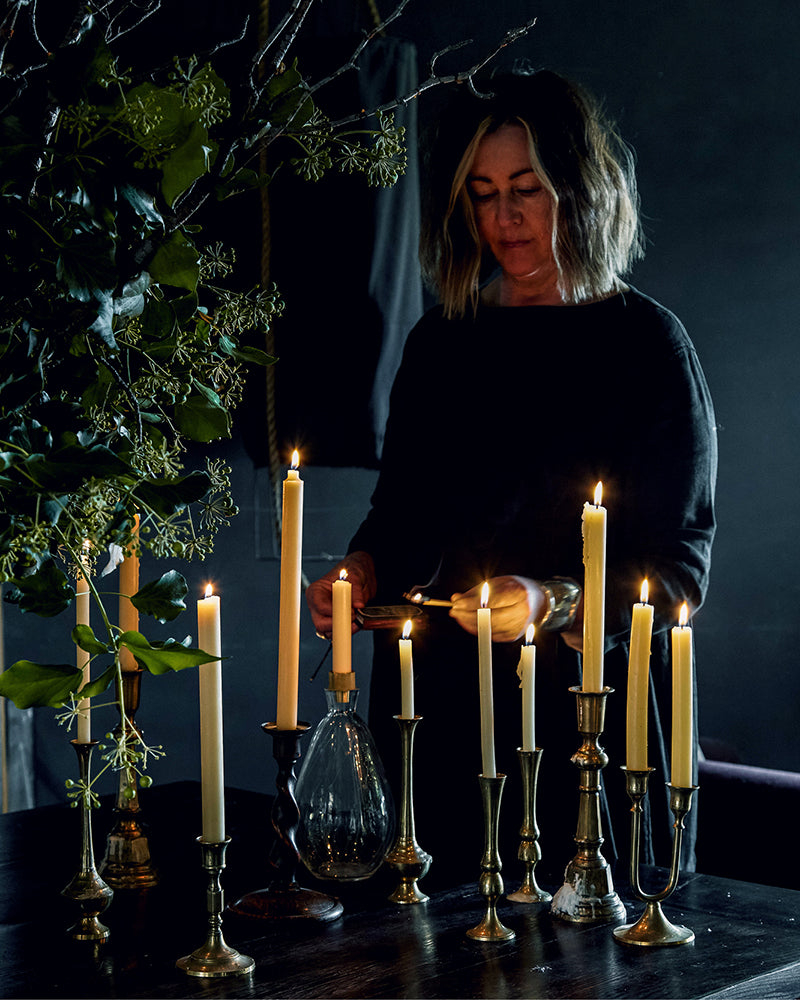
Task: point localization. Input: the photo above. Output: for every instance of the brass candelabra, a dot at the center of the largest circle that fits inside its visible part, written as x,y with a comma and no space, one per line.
653,929
587,894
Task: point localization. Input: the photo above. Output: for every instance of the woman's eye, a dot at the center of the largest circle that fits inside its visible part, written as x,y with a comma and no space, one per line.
528,192
486,196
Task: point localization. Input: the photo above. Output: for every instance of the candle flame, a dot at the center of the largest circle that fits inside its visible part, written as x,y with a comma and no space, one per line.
645,592
529,634
295,458
208,591
598,494
417,598
407,629
343,574
683,617
485,595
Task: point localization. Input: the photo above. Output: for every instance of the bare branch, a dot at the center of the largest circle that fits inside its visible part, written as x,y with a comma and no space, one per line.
283,36
352,62
434,80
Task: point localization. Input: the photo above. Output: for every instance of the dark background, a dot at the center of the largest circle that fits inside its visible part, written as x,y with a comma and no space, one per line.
707,94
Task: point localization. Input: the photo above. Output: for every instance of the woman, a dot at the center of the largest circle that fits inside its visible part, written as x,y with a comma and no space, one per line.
540,374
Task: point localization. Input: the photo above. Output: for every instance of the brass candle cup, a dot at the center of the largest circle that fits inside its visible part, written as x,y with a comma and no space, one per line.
405,856
587,894
215,958
491,886
653,929
86,887
529,852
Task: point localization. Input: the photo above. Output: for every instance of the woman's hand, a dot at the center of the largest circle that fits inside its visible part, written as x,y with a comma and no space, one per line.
515,601
319,595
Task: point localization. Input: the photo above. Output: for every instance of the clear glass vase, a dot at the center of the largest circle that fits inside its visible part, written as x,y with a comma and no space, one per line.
346,808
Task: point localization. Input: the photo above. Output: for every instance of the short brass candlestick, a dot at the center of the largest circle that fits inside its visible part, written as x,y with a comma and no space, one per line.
284,897
214,958
587,895
86,887
529,851
127,863
406,856
653,929
491,881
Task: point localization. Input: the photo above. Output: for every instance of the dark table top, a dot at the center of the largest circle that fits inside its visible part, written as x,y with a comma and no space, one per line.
747,936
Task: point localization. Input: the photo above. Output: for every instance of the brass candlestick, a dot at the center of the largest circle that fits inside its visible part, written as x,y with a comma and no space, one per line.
529,851
491,881
406,856
284,897
86,887
127,863
587,895
653,929
215,958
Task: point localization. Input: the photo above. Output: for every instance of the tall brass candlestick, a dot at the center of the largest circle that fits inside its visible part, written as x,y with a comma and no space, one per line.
529,851
215,958
406,856
86,887
491,927
587,895
653,929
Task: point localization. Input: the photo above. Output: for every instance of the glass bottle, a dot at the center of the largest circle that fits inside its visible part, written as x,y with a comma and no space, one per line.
346,807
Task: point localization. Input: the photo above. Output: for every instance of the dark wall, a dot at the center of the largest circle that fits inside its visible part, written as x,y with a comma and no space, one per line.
707,93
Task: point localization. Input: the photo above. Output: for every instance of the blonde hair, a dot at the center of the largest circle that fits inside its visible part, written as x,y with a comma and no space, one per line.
581,161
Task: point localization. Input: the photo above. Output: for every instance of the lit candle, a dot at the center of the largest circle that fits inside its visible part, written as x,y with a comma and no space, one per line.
594,591
290,597
406,674
682,702
83,658
527,672
342,624
485,679
638,682
128,586
212,783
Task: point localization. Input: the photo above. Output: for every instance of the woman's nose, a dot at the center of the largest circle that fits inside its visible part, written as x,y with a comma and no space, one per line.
508,210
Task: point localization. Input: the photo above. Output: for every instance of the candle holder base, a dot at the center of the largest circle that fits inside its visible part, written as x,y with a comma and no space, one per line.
280,902
653,929
284,898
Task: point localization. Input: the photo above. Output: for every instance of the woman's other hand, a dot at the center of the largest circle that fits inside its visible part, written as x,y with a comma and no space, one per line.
319,595
515,601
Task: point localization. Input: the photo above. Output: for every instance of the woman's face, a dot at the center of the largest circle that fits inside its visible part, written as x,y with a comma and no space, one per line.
514,213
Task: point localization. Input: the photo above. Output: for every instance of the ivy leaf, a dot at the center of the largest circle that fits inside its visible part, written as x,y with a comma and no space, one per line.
36,685
202,417
176,263
99,684
168,496
187,163
161,657
46,592
163,598
83,636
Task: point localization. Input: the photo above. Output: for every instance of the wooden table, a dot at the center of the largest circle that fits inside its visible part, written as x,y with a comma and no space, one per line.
747,936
